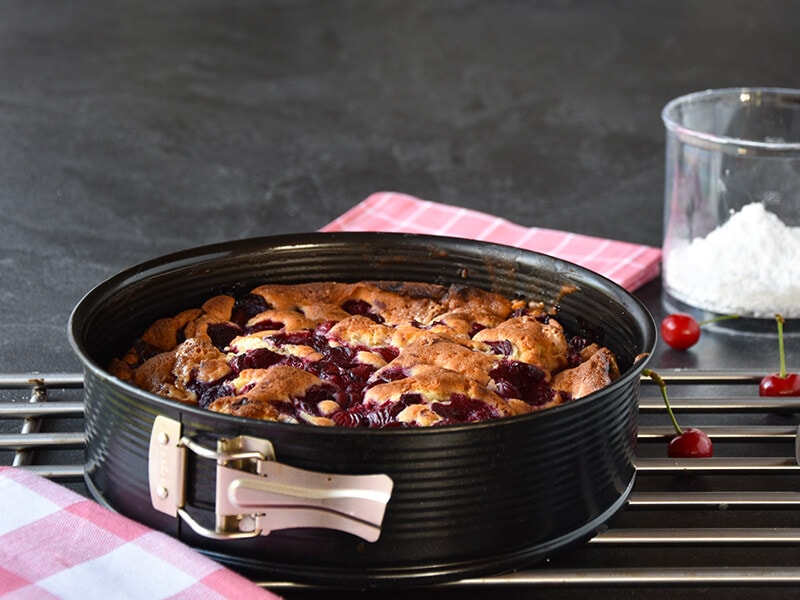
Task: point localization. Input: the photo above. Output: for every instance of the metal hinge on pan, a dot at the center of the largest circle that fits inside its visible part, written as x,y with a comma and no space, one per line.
256,495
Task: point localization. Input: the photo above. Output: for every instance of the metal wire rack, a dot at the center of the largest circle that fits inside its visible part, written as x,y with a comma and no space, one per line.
729,520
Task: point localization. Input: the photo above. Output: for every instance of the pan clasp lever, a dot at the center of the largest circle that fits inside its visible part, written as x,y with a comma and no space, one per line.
256,495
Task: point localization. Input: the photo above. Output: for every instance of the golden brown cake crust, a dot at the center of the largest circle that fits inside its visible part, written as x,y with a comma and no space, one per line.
371,353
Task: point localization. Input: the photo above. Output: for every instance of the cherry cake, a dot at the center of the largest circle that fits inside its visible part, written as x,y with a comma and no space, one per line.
368,354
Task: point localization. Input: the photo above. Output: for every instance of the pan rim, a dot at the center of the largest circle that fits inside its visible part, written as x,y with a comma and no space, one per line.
164,264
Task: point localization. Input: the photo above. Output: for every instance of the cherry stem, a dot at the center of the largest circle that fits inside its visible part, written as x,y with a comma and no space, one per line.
663,387
781,352
716,319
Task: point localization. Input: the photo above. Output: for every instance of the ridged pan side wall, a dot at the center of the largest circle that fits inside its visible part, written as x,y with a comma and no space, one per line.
464,501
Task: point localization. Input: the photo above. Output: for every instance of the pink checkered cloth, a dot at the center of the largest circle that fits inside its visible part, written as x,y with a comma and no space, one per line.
629,265
55,543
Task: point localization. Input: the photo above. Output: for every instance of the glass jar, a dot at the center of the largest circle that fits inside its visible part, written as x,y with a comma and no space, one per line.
732,203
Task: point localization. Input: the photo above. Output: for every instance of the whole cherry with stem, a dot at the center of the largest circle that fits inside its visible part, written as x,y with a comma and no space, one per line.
681,331
781,383
687,443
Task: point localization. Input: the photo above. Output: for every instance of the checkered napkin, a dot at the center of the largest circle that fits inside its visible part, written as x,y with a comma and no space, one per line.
629,265
55,543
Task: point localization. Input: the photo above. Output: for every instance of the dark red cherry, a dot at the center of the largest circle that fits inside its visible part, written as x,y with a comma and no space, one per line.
781,383
255,358
222,334
527,382
247,307
361,307
680,331
689,442
461,409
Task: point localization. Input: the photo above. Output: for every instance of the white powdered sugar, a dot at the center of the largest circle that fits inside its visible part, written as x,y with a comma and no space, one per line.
749,266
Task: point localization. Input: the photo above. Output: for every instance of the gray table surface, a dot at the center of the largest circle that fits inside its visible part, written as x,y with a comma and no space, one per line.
131,129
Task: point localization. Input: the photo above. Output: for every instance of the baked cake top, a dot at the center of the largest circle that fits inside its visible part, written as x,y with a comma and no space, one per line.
366,354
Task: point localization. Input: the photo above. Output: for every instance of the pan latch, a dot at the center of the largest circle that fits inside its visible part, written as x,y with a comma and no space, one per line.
256,495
